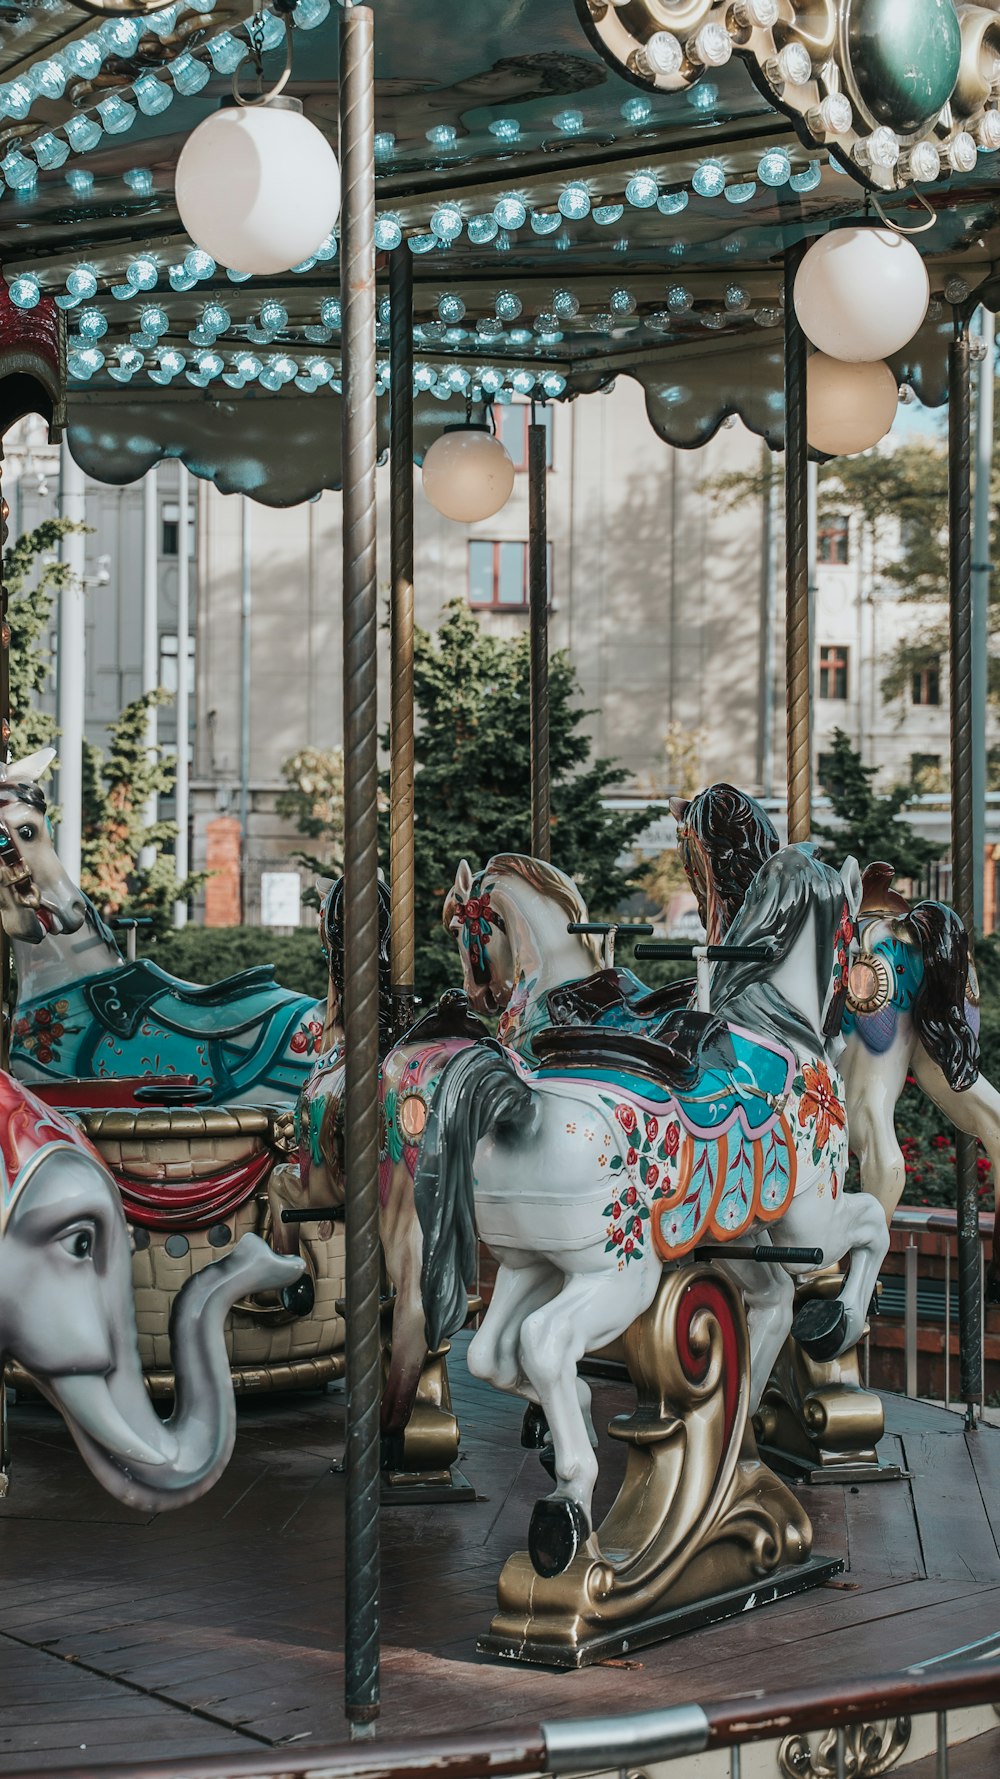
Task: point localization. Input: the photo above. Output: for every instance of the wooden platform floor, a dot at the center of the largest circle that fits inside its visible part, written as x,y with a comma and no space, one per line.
220,1627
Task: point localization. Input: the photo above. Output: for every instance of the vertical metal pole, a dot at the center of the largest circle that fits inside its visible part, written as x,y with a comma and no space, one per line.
71,670
538,617
947,1322
982,512
942,1745
183,778
357,284
768,610
150,630
246,604
797,639
401,857
963,859
910,1316
5,977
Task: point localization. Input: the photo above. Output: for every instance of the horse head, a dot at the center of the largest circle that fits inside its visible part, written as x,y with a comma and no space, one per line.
806,912
36,895
332,921
510,922
941,990
723,838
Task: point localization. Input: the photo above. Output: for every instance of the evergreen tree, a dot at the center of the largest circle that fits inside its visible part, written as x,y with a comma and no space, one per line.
867,824
473,787
117,787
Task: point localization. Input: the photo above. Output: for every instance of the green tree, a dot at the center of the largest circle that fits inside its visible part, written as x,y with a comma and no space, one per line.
33,576
117,787
865,823
473,789
314,800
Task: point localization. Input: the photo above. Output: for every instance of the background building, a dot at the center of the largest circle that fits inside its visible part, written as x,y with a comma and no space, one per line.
669,599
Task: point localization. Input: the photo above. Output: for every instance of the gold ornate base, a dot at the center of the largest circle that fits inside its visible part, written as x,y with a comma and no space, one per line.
421,1468
700,1527
817,1422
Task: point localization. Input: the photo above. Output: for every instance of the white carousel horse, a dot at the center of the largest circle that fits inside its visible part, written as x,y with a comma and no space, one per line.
582,1179
913,1004
82,1010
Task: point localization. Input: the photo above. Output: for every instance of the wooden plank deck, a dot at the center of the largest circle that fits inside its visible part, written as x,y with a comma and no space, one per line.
220,1627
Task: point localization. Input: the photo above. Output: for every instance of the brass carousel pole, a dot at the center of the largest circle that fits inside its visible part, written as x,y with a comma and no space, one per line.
361,948
964,862
798,659
4,941
538,617
402,932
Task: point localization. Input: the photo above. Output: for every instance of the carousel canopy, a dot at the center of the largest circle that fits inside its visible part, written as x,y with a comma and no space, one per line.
586,190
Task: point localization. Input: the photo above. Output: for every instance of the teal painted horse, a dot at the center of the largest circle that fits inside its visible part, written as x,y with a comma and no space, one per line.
83,1010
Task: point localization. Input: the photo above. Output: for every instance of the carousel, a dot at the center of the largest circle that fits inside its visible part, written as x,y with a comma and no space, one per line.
642,1502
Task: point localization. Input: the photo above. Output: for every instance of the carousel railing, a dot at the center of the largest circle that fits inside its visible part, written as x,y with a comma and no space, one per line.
843,1714
926,1301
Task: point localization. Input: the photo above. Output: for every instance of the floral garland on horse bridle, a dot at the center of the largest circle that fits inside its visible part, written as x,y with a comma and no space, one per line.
478,918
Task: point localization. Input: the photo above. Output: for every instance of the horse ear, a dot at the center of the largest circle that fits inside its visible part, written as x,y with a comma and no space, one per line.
30,769
850,872
679,807
463,880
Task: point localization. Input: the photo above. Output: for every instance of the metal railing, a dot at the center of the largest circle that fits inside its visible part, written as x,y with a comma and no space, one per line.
921,1301
621,1744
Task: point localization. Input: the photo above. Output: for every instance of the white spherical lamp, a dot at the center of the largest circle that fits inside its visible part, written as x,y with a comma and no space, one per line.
861,294
849,407
468,474
258,187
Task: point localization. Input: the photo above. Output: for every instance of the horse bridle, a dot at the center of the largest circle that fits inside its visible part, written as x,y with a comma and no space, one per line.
478,917
15,873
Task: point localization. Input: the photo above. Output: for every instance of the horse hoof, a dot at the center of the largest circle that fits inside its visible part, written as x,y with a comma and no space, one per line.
558,1528
820,1327
300,1298
547,1459
534,1428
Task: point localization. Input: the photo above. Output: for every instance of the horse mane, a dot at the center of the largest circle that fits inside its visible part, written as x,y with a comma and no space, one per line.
736,835
332,931
787,887
32,794
549,881
939,1007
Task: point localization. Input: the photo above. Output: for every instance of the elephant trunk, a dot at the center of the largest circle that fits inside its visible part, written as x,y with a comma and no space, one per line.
154,1464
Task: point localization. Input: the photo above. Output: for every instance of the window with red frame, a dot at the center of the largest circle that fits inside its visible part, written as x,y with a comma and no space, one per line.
498,574
926,686
512,422
833,664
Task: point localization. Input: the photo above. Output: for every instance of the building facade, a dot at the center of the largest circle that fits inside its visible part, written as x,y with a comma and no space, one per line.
667,593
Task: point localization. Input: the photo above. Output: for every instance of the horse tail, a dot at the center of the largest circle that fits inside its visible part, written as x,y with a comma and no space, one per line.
939,1009
478,1092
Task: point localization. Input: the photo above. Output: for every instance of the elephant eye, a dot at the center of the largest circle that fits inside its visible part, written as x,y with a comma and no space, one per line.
79,1243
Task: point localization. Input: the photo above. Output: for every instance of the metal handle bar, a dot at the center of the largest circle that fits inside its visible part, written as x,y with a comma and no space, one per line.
166,1094
123,923
601,928
682,952
763,1254
318,1214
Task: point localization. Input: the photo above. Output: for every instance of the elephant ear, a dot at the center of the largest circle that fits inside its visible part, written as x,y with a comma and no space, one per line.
30,769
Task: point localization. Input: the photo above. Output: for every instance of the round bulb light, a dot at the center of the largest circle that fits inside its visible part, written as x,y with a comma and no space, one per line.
849,407
861,294
258,187
467,474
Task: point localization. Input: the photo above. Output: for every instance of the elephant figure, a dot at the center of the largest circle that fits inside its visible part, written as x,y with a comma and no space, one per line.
67,1314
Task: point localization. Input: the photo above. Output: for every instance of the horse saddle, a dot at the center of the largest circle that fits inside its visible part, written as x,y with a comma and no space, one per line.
674,1055
614,999
121,999
451,1018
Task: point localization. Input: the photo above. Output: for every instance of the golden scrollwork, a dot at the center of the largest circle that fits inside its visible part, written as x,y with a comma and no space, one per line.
698,1516
901,96
869,1749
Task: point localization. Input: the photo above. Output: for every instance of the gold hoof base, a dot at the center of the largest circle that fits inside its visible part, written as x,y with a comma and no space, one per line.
818,1424
661,1626
700,1526
425,1488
